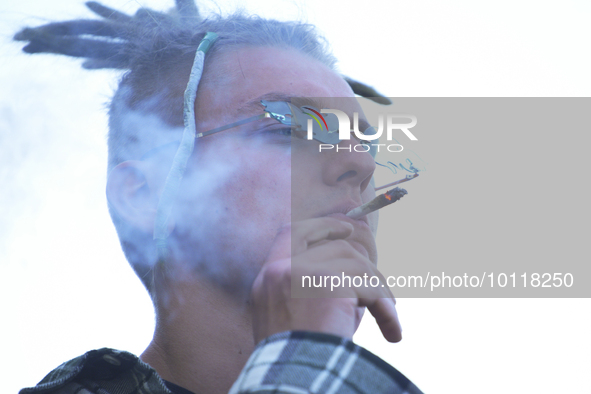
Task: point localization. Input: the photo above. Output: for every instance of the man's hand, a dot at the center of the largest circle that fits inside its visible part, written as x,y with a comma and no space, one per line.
319,249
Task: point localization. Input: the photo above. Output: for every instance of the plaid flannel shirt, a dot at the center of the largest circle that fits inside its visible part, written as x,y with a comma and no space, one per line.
294,362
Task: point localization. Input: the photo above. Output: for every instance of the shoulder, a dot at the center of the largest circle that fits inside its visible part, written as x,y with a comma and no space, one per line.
101,371
300,361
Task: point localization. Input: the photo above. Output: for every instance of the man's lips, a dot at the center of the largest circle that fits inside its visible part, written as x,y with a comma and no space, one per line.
357,223
340,211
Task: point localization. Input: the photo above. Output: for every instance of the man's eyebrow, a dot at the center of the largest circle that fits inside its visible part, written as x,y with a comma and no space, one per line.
255,104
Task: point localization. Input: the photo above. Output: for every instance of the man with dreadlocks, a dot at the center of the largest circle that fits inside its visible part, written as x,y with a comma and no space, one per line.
213,232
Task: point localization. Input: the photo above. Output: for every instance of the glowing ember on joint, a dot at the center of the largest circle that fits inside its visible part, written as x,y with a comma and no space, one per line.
379,202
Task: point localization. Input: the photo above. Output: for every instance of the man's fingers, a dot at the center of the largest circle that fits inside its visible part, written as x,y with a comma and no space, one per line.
293,239
384,311
309,232
319,248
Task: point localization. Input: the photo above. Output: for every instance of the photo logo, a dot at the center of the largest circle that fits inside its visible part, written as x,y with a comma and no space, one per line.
388,123
315,118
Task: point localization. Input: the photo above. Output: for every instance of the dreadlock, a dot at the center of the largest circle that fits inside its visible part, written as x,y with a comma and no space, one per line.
157,50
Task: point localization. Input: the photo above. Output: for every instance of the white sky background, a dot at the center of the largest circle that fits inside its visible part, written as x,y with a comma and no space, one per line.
66,287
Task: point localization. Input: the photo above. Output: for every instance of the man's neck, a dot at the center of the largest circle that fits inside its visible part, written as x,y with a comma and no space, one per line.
203,338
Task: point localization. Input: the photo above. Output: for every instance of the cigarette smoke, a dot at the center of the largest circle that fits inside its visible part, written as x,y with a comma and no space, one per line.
227,211
231,206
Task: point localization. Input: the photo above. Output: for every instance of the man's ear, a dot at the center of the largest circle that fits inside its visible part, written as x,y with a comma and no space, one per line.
133,193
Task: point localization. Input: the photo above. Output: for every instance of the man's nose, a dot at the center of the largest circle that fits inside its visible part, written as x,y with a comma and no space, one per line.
349,164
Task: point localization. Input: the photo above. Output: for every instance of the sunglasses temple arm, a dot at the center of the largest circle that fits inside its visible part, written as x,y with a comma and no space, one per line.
406,179
235,124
